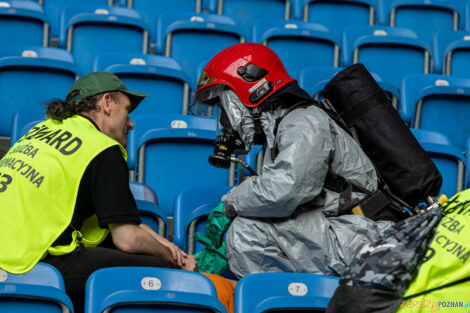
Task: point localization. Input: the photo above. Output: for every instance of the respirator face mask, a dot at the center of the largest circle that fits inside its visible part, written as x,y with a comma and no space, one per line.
224,105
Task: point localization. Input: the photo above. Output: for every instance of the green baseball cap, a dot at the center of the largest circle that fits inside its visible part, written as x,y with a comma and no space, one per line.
100,82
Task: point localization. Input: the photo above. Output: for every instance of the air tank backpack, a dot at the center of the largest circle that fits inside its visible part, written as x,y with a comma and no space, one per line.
407,175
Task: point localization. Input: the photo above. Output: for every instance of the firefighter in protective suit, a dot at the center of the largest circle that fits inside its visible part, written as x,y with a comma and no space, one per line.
285,219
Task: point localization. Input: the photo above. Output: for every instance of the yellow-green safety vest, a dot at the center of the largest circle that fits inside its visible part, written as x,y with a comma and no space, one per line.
447,261
39,180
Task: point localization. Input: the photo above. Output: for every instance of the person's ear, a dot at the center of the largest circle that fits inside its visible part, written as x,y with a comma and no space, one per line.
106,103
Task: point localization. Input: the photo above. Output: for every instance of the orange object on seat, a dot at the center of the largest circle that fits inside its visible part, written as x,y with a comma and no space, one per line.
225,289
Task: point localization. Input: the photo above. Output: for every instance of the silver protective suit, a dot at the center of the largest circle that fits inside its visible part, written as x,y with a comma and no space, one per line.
286,221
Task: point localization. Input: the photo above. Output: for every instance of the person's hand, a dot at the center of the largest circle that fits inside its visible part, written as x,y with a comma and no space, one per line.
176,253
190,263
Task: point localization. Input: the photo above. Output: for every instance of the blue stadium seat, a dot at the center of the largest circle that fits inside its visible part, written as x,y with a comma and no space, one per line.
298,44
53,9
284,292
315,78
467,16
390,52
87,30
246,12
451,53
337,15
160,77
24,119
151,10
26,23
31,75
254,159
41,289
424,17
147,289
180,36
440,103
192,206
448,159
147,204
170,152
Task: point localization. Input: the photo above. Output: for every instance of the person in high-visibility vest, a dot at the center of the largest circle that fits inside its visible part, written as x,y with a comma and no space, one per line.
64,186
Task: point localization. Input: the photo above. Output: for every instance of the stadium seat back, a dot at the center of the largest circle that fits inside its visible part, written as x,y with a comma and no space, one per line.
337,15
390,52
439,103
180,37
448,159
53,9
423,17
147,289
298,44
87,30
26,23
246,12
24,119
451,53
151,10
286,292
192,206
162,78
39,290
173,153
32,75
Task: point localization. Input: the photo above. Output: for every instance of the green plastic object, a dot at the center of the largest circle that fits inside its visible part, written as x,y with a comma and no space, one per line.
213,258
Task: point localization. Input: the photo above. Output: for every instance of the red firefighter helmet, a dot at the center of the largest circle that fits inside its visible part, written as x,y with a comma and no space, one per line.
253,71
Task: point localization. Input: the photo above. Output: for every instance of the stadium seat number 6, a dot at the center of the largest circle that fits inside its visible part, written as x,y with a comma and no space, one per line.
151,283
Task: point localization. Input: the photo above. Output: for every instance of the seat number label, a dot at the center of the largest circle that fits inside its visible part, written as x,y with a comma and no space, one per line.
151,283
297,289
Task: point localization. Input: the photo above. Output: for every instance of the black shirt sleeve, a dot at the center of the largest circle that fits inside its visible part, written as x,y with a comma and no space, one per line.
107,190
104,190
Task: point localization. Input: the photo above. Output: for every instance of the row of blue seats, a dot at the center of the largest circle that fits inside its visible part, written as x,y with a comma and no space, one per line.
48,72
402,13
131,289
299,44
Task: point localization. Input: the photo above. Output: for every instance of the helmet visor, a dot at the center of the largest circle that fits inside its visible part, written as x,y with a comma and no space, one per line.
206,102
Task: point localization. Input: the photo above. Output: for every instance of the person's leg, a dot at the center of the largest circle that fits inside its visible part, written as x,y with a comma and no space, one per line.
78,266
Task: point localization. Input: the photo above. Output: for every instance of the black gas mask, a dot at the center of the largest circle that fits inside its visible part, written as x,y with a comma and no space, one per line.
227,142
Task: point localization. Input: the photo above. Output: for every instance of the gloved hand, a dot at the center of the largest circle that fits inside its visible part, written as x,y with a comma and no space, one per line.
213,258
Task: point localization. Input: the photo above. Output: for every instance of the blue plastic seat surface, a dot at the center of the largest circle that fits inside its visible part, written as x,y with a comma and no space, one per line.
162,78
247,12
146,289
151,10
451,53
98,29
337,15
191,204
446,158
390,52
424,17
36,70
298,44
53,9
445,107
177,148
39,290
25,21
261,292
179,36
